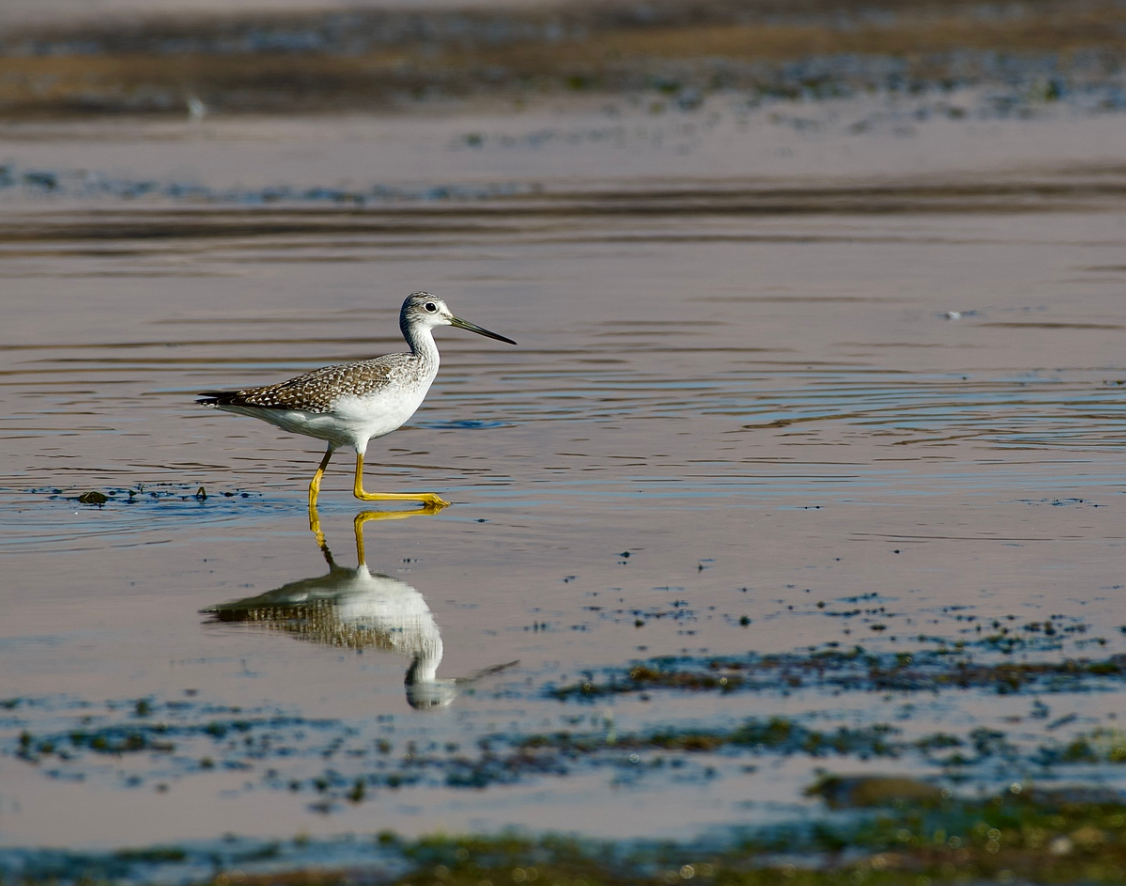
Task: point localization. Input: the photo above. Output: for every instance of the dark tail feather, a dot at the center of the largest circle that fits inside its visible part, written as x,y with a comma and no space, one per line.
218,398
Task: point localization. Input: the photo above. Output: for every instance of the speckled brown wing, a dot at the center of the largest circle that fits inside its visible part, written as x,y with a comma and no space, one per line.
318,390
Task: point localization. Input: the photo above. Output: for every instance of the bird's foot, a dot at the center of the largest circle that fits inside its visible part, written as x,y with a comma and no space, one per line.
429,500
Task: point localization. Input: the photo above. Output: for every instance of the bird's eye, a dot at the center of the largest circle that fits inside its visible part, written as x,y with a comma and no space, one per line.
430,307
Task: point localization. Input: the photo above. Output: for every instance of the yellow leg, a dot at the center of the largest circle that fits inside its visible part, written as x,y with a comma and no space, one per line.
427,498
315,485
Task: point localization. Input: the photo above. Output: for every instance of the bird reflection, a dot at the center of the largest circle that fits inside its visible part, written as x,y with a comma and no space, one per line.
359,609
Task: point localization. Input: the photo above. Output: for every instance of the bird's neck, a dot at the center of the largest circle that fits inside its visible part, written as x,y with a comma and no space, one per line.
421,341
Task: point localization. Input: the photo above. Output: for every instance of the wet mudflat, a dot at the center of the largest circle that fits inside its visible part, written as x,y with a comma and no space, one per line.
808,465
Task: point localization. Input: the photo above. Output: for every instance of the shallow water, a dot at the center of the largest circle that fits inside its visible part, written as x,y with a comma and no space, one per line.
875,376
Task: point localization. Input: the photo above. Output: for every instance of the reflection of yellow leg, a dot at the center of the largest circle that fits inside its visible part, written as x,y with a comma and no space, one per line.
363,516
428,498
315,527
358,525
315,485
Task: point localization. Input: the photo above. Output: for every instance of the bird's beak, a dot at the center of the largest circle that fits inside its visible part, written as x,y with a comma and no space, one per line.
465,324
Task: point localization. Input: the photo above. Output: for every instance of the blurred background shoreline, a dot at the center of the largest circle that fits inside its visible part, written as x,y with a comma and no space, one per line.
121,57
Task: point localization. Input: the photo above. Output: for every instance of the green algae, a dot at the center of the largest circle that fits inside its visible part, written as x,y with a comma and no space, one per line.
926,670
882,830
919,837
1101,745
778,734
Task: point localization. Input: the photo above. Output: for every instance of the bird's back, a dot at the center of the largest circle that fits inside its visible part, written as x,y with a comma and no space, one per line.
320,389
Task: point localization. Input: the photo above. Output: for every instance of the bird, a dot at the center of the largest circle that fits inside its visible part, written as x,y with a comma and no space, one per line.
348,404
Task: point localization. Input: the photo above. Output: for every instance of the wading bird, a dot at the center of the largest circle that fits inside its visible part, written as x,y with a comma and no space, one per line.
348,404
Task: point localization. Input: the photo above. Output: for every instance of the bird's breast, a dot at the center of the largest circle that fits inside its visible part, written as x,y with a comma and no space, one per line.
380,412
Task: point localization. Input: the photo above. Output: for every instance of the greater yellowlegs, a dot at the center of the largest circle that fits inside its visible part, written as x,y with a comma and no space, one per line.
350,403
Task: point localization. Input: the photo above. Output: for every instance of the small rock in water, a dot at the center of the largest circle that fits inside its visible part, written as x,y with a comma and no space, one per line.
93,497
866,791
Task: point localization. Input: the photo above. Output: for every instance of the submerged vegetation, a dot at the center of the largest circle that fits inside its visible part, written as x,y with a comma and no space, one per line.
1018,835
886,832
926,670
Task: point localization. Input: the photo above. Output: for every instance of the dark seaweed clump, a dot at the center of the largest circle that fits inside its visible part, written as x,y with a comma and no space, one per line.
901,833
855,670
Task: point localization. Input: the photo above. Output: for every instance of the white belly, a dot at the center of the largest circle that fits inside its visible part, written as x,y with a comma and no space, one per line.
353,420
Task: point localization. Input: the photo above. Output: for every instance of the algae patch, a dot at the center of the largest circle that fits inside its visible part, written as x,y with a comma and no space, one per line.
901,834
855,670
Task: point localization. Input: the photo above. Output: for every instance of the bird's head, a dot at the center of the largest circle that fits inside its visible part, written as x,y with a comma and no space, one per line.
426,310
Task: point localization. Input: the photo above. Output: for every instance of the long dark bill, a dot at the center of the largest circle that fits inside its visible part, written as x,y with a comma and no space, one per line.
465,324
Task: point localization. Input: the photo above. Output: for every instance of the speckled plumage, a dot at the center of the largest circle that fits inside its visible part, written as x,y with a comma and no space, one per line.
348,404
318,390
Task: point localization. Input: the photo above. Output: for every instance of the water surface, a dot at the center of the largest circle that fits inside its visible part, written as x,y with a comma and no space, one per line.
866,393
